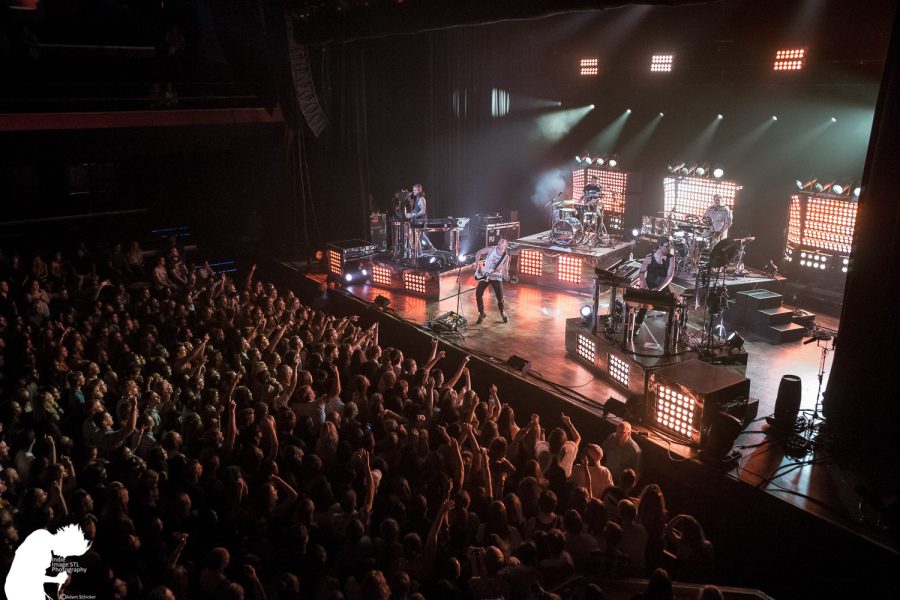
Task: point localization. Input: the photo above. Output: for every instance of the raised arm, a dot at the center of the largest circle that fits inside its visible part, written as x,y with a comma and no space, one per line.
573,433
459,371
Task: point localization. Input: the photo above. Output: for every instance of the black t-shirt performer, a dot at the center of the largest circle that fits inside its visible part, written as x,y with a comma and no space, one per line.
656,273
592,192
494,271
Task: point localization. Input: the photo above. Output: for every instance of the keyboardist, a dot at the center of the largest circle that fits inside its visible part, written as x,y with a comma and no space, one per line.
417,197
656,274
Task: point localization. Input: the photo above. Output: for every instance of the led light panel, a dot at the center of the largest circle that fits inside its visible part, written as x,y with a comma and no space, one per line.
586,347
618,369
661,63
615,188
531,262
792,59
693,195
569,269
590,66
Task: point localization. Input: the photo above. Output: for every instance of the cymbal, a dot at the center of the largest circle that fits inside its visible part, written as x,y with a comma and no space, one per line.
565,203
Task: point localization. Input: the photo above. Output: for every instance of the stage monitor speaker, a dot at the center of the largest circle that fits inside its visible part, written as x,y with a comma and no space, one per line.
723,430
519,364
682,399
787,403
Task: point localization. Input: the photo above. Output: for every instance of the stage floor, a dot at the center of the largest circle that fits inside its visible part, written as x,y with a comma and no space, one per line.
536,332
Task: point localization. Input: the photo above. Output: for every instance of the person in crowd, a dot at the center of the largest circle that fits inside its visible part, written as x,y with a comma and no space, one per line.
621,452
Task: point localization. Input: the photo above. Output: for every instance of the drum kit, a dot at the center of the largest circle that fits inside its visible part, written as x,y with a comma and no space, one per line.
573,222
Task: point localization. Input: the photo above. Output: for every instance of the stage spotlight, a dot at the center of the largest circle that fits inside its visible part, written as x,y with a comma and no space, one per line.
833,120
856,192
628,110
586,313
661,63
319,255
700,171
365,273
818,187
613,162
588,160
348,277
735,341
635,232
590,67
432,260
837,189
600,161
791,59
799,184
718,172
674,169
720,116
593,107
461,258
686,170
577,159
774,118
661,114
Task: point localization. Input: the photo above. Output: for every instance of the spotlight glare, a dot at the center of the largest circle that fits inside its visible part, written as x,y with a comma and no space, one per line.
833,120
701,171
774,118
592,107
365,273
613,163
628,110
718,172
348,277
856,192
461,258
799,184
720,116
837,189
586,311
635,232
661,114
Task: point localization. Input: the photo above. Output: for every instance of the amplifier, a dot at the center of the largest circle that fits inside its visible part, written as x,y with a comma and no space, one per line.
492,233
340,253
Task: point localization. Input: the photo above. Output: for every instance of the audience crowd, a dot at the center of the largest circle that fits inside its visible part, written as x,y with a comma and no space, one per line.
220,439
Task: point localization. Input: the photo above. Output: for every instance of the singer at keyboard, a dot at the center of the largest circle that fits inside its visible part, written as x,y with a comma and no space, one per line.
656,274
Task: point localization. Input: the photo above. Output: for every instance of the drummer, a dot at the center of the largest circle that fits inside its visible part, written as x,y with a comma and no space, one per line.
591,193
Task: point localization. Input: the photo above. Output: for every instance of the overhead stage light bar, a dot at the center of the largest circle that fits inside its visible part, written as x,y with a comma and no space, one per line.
590,66
790,59
661,63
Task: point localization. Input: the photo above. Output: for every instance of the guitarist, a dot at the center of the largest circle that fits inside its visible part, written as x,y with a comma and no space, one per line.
494,271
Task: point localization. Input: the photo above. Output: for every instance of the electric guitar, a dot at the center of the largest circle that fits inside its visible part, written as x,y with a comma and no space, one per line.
482,274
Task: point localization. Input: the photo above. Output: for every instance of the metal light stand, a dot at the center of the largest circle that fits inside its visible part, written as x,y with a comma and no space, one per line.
825,342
